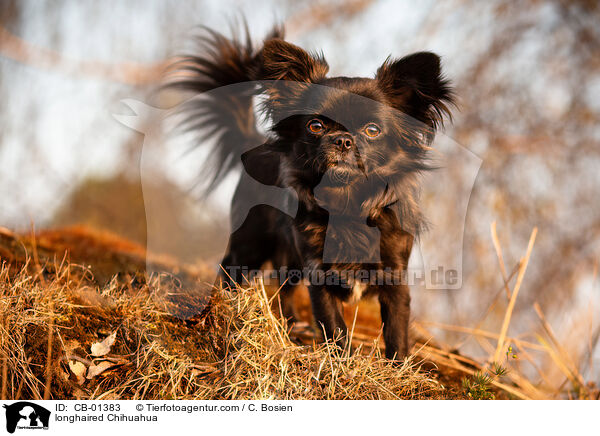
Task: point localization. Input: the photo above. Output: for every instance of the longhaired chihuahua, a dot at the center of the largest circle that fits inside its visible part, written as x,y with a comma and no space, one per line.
350,149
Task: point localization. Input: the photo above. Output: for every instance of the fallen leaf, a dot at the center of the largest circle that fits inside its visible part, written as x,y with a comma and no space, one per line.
78,369
96,370
203,370
102,348
117,360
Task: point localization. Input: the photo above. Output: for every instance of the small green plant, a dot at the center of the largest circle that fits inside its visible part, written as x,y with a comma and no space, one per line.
498,370
477,386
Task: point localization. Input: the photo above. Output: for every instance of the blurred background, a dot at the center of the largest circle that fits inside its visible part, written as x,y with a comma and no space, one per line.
527,77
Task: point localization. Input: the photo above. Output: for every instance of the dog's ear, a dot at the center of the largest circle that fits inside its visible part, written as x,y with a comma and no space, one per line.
282,60
416,86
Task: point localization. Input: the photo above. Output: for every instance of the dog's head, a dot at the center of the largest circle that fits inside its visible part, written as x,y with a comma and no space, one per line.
347,129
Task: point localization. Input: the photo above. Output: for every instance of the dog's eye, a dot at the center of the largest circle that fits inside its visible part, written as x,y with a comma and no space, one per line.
315,126
372,131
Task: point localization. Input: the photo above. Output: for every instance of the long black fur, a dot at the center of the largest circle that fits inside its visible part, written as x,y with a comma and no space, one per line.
348,183
227,118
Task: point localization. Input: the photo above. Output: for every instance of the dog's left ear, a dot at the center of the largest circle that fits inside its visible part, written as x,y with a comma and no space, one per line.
415,85
292,70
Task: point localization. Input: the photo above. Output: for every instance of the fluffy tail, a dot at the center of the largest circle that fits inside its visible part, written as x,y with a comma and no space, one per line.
226,116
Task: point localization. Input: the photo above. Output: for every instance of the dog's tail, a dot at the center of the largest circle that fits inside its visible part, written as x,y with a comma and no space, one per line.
224,117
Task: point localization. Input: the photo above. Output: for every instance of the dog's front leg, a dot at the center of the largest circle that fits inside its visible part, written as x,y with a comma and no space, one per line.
395,313
328,317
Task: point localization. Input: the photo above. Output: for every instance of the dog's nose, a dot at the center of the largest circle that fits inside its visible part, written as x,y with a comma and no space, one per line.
344,141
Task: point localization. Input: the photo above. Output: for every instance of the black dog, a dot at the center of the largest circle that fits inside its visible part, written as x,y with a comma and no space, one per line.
350,148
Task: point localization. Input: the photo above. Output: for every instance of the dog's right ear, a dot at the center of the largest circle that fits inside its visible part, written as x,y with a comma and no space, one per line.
282,60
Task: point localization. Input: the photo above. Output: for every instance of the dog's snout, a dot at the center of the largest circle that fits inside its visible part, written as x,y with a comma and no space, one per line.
344,141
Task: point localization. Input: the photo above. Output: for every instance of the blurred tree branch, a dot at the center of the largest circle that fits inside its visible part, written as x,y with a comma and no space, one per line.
128,73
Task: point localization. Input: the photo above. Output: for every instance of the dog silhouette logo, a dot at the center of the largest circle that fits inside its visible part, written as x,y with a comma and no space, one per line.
436,259
26,415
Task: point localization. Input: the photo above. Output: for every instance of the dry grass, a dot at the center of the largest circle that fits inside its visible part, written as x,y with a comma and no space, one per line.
53,310
237,350
259,360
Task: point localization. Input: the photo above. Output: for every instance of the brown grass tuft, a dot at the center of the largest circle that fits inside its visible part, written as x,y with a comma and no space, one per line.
238,349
